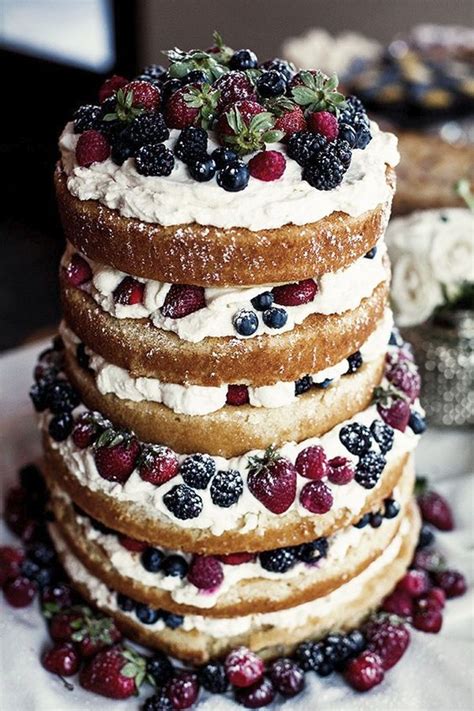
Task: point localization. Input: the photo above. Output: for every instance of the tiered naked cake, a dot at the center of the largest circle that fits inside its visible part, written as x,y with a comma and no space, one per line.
228,417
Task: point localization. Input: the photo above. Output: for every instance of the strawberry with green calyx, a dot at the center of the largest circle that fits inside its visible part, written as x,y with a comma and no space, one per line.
91,632
317,92
272,480
392,407
219,49
204,98
115,454
247,128
184,62
125,111
116,672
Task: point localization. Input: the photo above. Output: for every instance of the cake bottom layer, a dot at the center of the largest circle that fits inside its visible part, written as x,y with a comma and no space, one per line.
199,638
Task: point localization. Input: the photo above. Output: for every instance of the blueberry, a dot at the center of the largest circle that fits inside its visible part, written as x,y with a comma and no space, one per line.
30,569
32,479
147,615
275,317
183,502
243,59
197,470
324,383
195,76
303,385
202,169
125,603
154,71
363,522
279,560
245,322
355,362
391,508
60,426
42,553
175,565
226,488
160,668
383,434
271,83
172,620
263,301
213,678
281,65
371,253
356,438
426,537
417,423
347,133
223,156
168,88
233,177
376,519
356,642
151,559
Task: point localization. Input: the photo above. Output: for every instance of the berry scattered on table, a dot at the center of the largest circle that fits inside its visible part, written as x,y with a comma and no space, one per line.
19,591
182,690
61,659
388,638
451,582
287,677
365,671
436,510
213,678
116,673
243,667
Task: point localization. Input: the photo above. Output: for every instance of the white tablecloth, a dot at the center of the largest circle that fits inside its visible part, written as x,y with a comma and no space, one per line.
435,674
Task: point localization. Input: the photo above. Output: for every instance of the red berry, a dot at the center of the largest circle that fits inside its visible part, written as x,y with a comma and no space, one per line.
316,497
18,515
157,464
427,618
273,482
243,667
61,625
237,395
110,86
236,558
428,560
182,690
115,460
90,645
436,596
388,640
365,671
267,165
78,271
10,562
398,603
178,114
312,462
62,659
131,544
145,95
340,471
324,123
205,572
396,414
415,583
256,696
84,433
19,592
436,510
287,677
451,582
92,147
103,673
247,108
302,292
233,86
291,122
129,291
404,376
60,595
182,300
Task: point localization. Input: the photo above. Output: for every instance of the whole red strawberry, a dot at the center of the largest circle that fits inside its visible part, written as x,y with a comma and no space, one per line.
365,671
87,428
115,455
157,464
247,109
178,113
301,292
233,86
237,395
145,95
324,123
110,86
404,376
272,480
116,673
92,147
436,510
130,291
291,122
396,413
267,165
389,638
78,271
182,300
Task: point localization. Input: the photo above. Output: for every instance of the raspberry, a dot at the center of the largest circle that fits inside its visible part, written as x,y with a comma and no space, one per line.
267,165
291,122
340,471
316,497
398,603
131,544
178,114
110,86
396,414
78,271
154,159
145,95
197,470
157,464
182,300
388,639
365,671
404,376
257,695
92,147
324,123
312,463
191,144
301,292
236,558
436,596
272,480
427,618
10,562
287,677
234,86
243,667
415,583
451,582
129,291
205,572
436,510
247,109
237,395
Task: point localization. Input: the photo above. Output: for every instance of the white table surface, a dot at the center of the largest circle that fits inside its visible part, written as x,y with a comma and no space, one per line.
436,673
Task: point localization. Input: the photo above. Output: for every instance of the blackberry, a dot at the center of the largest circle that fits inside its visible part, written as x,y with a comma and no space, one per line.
417,423
371,253
87,118
369,468
234,177
383,434
391,508
313,551
175,565
356,438
343,151
148,127
39,396
191,144
355,362
271,83
158,702
151,559
376,519
335,650
183,502
263,301
125,603
309,655
122,150
356,642
202,169
154,159
62,397
363,522
172,620
226,488
82,358
159,668
150,80
279,560
154,71
426,537
42,553
326,170
32,480
303,385
213,678
245,322
30,569
223,156
147,615
304,146
243,59
275,317
60,426
198,470
356,117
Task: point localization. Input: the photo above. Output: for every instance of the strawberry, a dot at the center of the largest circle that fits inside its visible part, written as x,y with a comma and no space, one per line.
91,632
389,638
182,300
436,510
312,462
291,122
130,291
364,671
157,464
234,86
396,413
247,108
236,558
92,147
272,480
116,672
110,86
237,395
61,626
267,165
316,497
115,455
301,292
145,95
87,428
405,377
10,562
178,113
131,544
78,271
324,123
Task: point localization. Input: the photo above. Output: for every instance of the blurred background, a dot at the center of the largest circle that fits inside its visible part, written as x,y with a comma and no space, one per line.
55,55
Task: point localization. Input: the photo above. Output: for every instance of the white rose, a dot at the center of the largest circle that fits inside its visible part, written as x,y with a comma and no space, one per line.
452,250
415,292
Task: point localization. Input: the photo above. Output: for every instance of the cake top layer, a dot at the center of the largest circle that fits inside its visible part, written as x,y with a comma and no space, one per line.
223,140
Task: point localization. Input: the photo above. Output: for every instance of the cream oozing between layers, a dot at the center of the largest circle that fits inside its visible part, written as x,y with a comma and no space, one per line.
178,199
202,400
337,292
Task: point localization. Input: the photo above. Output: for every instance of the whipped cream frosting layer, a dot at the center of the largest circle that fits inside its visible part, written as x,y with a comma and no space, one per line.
178,199
226,627
337,292
202,400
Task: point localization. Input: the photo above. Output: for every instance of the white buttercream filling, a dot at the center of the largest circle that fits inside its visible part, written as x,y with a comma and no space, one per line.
178,199
202,400
338,292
